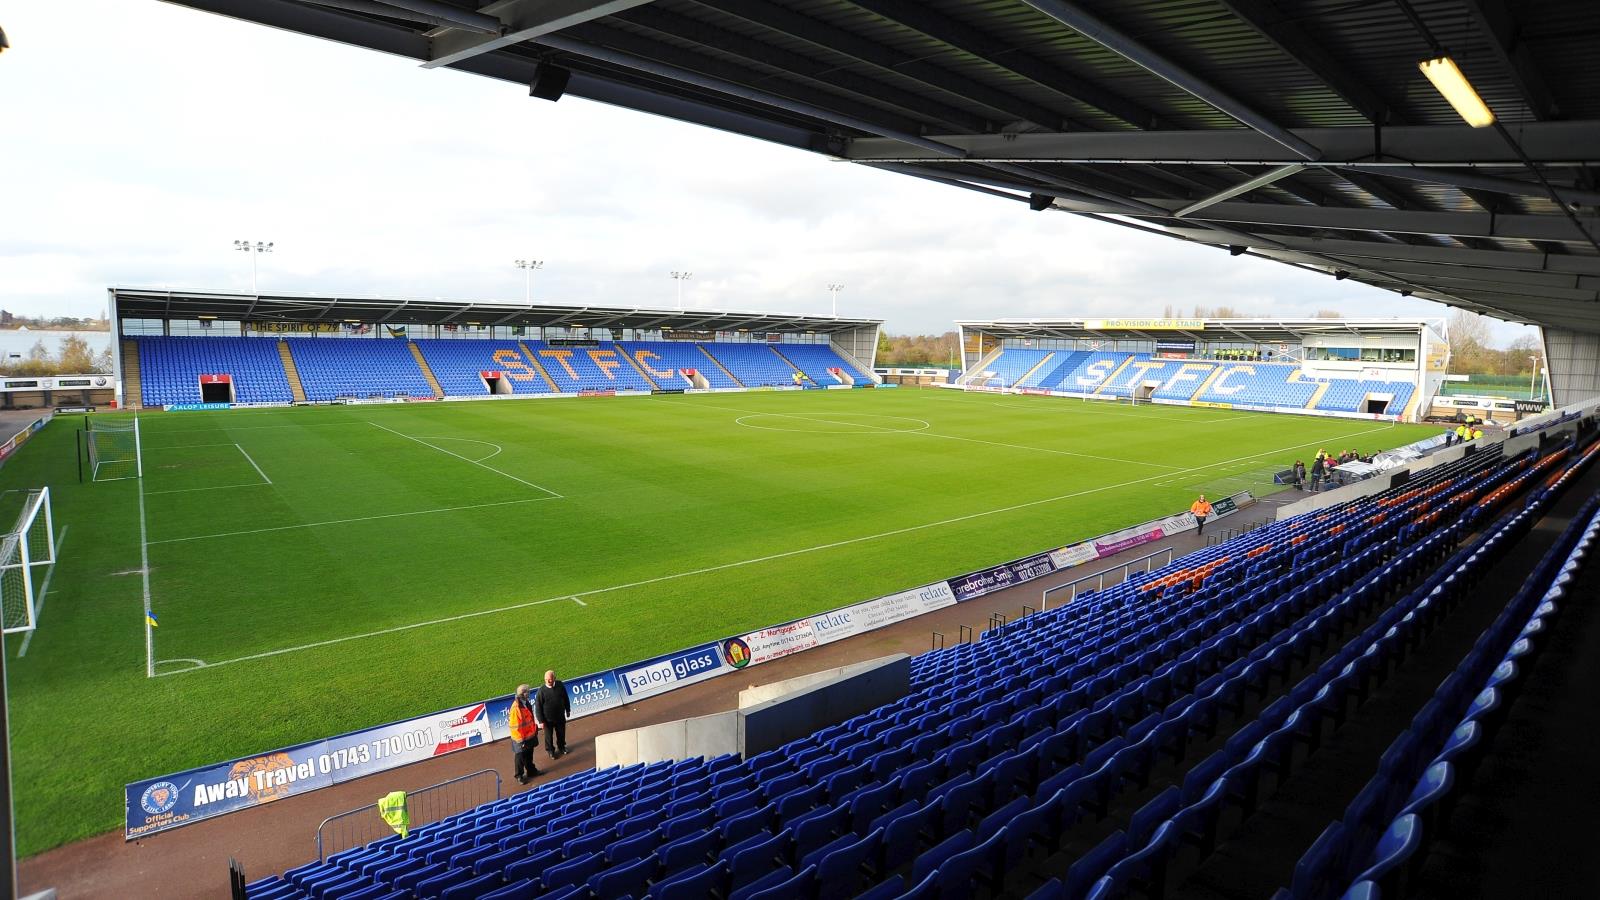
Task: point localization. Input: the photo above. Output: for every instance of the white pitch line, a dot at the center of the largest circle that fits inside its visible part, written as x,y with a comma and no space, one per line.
214,487
254,465
744,562
1083,407
418,512
497,448
948,437
144,577
44,592
579,601
553,494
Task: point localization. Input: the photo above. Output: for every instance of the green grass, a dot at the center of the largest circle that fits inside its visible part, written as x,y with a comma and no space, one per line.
680,519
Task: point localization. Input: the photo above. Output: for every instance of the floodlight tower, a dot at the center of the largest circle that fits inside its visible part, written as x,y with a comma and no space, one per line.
254,249
680,278
528,266
834,290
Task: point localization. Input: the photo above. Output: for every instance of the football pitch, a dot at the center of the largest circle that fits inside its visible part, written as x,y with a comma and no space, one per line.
317,570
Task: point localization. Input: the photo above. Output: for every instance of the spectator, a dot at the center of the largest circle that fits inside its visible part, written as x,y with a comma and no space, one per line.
1317,469
551,708
524,736
1299,475
1201,509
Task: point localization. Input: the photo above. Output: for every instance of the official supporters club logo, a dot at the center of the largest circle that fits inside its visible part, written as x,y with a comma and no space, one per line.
159,798
736,652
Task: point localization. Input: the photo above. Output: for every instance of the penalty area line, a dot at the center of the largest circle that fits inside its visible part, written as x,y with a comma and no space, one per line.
747,562
478,463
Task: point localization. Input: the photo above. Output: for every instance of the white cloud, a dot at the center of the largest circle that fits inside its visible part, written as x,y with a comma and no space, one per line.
140,147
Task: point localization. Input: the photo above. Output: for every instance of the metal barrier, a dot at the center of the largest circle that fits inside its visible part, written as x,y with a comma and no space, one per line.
964,634
430,804
936,642
1100,577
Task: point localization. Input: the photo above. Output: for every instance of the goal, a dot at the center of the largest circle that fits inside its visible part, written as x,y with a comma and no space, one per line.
114,452
30,544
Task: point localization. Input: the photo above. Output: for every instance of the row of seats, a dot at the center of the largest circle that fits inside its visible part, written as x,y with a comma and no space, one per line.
170,369
331,369
1388,828
1241,383
1070,708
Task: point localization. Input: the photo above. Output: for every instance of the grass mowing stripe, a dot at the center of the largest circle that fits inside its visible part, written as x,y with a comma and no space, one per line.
553,494
418,512
747,562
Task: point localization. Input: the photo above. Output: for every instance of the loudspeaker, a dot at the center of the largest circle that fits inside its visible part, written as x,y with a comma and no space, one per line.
549,82
1040,202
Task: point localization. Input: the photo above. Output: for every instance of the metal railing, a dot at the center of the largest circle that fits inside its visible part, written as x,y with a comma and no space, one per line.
1224,535
1100,577
363,825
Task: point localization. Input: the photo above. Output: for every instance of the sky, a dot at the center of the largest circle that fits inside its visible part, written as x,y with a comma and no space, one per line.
142,139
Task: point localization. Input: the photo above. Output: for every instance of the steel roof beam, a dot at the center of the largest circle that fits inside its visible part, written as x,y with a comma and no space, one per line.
1453,256
519,20
1406,146
1469,179
1311,53
733,89
960,36
685,28
888,59
1497,22
1244,187
1087,24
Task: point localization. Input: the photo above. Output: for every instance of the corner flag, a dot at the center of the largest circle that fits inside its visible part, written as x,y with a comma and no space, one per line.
150,619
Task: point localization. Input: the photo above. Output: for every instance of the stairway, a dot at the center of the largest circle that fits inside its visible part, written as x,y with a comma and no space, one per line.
538,367
790,362
1316,396
427,373
290,372
132,393
718,363
1112,377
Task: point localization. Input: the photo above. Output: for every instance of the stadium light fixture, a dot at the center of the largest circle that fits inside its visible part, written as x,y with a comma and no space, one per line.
3,42
1448,80
527,266
834,289
255,249
680,278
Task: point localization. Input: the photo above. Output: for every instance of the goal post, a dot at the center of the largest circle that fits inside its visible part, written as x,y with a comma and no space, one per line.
114,451
29,545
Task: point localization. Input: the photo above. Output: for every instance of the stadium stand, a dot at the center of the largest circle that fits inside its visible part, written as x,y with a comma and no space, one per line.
664,361
459,366
1139,370
331,369
816,359
1054,372
1252,650
1091,371
1259,384
170,368
587,368
1349,395
1012,364
755,365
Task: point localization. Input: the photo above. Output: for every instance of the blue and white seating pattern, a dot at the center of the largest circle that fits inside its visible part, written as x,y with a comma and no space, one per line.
335,368
1259,384
1080,704
663,361
755,365
1349,395
816,359
1007,369
1051,374
458,365
170,368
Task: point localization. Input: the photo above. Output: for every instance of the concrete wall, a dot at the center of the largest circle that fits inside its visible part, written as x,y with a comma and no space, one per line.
1385,480
708,736
776,722
775,714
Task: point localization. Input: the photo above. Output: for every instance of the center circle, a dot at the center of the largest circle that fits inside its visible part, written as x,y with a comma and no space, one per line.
833,423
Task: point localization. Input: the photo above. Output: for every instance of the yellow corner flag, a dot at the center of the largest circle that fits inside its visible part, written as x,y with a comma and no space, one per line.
150,619
393,809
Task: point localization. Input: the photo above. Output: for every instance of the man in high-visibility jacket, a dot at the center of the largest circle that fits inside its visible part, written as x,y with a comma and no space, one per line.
524,735
1201,509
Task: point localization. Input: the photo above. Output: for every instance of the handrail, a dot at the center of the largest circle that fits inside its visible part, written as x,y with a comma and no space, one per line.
1044,599
428,810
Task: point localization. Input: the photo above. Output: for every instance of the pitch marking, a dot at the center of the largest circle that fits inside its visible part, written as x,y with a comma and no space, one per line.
419,512
44,592
745,562
254,465
144,577
214,487
478,463
579,601
881,429
497,448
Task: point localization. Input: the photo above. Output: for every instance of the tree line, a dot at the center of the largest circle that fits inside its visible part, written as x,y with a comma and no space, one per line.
73,356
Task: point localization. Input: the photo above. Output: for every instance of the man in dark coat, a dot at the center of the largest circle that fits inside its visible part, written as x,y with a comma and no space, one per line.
551,707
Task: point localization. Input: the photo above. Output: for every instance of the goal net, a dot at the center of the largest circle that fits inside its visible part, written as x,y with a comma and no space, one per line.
114,450
29,546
